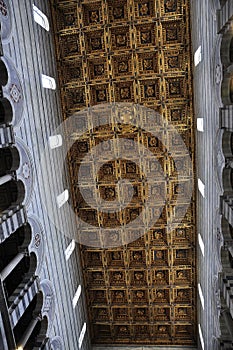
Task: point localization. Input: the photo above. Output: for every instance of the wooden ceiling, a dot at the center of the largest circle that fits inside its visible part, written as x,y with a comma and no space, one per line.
142,292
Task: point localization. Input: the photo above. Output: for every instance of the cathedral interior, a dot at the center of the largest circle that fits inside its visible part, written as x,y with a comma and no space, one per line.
116,180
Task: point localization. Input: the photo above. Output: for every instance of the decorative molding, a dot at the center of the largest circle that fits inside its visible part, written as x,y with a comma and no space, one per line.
37,245
219,161
25,171
218,72
56,343
48,308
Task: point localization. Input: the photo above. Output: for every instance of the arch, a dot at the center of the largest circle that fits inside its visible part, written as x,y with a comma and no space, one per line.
40,18
48,308
9,160
56,343
6,111
3,73
226,50
62,198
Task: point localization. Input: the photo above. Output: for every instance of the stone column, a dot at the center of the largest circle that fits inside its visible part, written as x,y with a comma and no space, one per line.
228,321
6,136
23,341
6,178
10,267
11,221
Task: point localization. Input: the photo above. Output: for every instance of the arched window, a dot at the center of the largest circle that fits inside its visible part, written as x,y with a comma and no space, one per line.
76,296
82,334
40,18
200,124
197,56
62,198
69,250
48,82
201,296
201,188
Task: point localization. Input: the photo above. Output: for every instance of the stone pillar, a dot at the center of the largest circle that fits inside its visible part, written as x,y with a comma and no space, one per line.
23,341
6,178
225,15
10,267
6,136
11,220
21,299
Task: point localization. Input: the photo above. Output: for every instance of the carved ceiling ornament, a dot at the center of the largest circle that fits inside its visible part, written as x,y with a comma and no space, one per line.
140,288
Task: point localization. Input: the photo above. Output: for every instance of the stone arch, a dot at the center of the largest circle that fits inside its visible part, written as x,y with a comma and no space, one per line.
6,111
37,245
48,308
226,53
25,171
226,49
57,343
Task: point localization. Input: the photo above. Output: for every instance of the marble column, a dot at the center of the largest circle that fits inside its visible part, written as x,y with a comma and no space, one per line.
10,267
